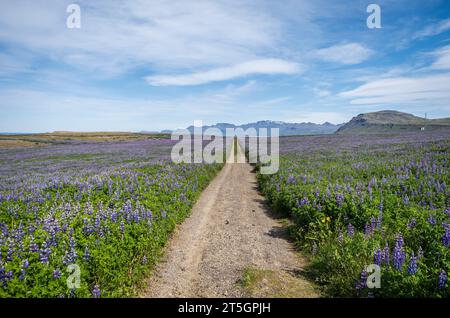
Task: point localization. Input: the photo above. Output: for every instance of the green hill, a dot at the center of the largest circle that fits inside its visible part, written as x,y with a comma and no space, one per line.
387,121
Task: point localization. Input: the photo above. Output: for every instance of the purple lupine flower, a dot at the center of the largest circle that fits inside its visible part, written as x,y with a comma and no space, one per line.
2,276
367,229
399,253
412,223
350,230
303,202
442,281
56,274
144,260
380,219
9,276
44,255
406,200
412,267
447,211
340,199
386,255
431,220
277,187
122,227
377,257
86,255
446,237
362,283
291,180
22,274
96,292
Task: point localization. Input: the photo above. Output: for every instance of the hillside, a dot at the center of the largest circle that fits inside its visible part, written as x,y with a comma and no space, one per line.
390,121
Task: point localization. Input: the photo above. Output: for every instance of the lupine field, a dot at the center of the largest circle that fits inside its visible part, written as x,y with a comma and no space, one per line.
107,207
380,200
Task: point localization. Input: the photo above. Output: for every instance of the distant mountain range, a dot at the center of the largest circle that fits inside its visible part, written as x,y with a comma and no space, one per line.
285,129
386,121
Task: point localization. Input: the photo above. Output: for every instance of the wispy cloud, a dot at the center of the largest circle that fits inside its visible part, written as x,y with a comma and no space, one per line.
442,58
433,29
120,35
349,53
426,89
264,66
407,85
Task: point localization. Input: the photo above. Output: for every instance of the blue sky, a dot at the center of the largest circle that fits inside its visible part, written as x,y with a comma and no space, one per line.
152,65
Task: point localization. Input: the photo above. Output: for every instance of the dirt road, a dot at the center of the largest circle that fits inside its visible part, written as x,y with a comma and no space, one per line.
230,229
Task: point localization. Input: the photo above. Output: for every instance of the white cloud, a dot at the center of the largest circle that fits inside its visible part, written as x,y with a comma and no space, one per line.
433,29
167,35
350,53
263,66
319,92
427,89
442,58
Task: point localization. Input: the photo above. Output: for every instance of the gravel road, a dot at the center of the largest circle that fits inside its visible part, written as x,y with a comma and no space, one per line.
230,229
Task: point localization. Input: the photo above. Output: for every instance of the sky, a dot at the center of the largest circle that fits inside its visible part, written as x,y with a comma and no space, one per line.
154,65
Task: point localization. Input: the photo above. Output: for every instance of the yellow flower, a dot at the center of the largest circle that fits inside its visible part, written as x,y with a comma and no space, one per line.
323,220
328,219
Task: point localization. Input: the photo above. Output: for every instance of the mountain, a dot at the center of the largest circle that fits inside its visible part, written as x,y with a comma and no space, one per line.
285,129
386,121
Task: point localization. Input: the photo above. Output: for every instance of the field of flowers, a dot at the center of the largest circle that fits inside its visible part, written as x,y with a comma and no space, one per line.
107,207
374,200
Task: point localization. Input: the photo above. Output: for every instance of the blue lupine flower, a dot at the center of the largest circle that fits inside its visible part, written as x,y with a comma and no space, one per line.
291,180
406,200
86,255
377,257
442,279
9,275
22,274
386,255
340,199
412,223
350,230
412,267
2,276
96,293
446,237
431,220
362,283
56,274
398,257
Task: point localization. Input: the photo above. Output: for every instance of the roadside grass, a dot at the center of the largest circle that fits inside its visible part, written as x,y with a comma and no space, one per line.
266,283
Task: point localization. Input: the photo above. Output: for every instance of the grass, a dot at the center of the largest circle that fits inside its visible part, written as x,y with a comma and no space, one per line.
266,283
